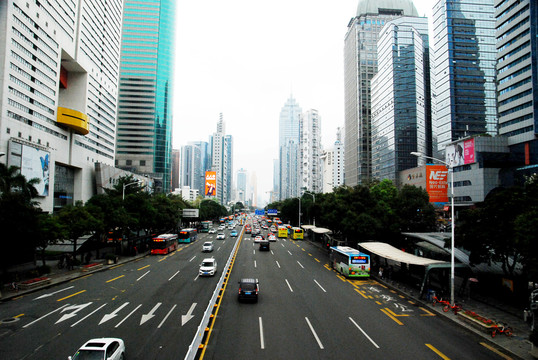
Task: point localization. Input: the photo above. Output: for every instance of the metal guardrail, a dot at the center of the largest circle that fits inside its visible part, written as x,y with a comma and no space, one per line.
194,347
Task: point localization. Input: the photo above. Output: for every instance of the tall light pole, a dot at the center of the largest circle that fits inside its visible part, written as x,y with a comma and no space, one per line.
129,184
451,170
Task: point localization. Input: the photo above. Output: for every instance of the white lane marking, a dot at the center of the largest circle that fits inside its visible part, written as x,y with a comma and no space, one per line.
87,316
300,264
177,272
166,317
282,245
278,264
253,251
112,314
314,333
44,316
369,338
131,313
150,315
218,248
319,285
262,342
289,285
255,263
194,257
147,272
272,253
289,252
52,293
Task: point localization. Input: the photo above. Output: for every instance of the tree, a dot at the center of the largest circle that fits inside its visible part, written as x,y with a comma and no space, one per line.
414,210
50,231
78,221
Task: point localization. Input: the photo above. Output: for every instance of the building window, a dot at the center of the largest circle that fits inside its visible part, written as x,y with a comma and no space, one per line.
129,162
142,162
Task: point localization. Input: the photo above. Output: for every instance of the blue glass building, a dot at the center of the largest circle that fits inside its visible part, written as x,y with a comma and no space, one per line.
144,129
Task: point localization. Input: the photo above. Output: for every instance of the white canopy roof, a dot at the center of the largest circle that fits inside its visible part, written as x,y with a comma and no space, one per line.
307,227
390,252
320,230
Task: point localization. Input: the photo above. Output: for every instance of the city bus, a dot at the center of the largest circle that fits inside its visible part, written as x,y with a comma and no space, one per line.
206,225
187,235
297,233
164,244
349,262
282,232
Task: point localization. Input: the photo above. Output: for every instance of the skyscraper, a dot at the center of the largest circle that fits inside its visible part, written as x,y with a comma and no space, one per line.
517,74
144,143
191,173
400,94
242,185
463,70
222,161
360,65
311,176
58,86
288,142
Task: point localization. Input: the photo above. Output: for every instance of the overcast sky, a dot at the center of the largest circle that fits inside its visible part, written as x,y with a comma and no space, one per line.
244,58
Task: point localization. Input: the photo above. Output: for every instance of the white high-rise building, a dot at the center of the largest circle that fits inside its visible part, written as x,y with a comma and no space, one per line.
221,161
289,142
59,92
310,152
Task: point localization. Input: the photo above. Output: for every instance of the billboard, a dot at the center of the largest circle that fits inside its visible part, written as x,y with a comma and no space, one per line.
272,212
33,163
437,183
210,183
460,153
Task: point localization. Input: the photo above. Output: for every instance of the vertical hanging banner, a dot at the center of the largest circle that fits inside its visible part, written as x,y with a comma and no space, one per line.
437,183
210,183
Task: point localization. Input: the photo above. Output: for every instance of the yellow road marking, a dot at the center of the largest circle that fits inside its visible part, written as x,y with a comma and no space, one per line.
164,258
392,317
116,278
67,297
428,313
341,278
394,314
360,292
117,266
317,260
379,303
143,267
83,277
504,356
18,316
443,356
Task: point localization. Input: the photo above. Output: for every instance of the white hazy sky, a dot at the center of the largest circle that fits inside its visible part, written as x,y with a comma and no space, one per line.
244,58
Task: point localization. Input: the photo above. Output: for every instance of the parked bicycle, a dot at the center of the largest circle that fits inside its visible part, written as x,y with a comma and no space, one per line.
499,328
446,305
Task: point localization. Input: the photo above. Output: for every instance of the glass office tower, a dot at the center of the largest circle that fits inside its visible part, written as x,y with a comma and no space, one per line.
464,69
144,132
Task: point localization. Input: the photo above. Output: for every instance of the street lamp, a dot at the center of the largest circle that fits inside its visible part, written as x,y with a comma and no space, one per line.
451,170
314,197
129,184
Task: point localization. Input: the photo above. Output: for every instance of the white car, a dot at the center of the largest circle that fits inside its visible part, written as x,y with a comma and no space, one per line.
207,247
208,267
258,239
271,238
102,348
212,231
222,227
221,236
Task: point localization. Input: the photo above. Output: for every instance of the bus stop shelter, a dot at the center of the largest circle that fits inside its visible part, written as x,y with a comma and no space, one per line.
428,272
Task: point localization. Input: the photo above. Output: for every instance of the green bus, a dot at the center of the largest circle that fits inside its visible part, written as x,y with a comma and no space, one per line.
206,225
350,262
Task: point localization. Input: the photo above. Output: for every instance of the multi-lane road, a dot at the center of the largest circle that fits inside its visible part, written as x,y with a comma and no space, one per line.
305,311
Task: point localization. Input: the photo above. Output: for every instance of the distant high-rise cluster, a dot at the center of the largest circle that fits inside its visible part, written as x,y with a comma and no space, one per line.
221,149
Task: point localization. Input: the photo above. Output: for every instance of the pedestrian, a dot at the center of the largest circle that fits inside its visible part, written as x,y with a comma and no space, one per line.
69,262
88,257
380,272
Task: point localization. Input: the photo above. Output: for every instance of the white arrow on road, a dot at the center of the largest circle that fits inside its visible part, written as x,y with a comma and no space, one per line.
52,293
113,314
149,315
76,308
186,318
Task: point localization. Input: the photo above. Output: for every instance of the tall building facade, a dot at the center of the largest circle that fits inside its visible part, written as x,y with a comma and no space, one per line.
311,176
242,185
58,85
360,65
176,160
191,173
463,70
222,161
338,161
288,142
517,76
144,141
400,94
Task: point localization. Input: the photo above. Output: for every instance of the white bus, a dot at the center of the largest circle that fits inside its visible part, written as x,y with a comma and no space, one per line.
350,262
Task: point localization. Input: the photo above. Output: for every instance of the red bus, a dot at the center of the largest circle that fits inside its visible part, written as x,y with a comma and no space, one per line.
164,244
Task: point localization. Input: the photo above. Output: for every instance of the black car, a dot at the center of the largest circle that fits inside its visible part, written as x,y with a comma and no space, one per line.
264,245
248,290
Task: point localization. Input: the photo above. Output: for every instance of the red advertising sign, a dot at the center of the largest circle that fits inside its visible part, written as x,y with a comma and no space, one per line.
210,183
437,183
468,151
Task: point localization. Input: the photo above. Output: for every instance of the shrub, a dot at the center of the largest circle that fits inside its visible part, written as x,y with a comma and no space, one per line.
44,269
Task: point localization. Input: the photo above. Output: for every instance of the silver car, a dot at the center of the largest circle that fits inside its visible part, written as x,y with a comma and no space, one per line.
207,247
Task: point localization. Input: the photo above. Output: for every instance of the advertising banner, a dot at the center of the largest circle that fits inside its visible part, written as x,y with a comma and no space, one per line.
33,163
437,183
460,153
210,183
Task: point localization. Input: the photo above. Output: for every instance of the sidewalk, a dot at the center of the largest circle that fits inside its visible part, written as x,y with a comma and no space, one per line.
59,276
516,346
